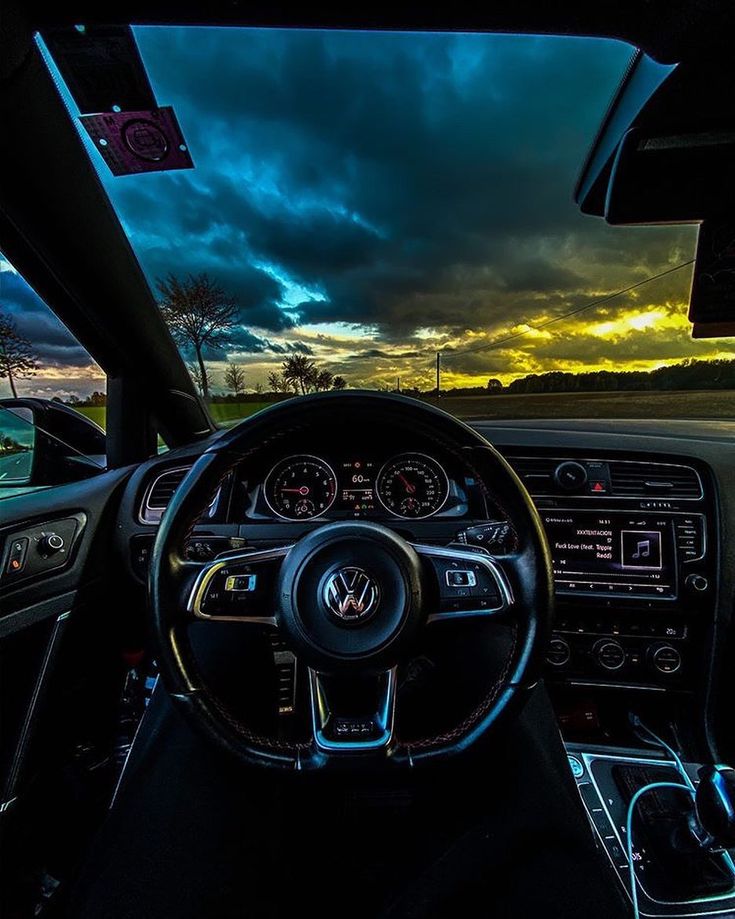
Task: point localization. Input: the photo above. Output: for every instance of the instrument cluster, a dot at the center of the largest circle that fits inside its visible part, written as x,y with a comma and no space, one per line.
410,485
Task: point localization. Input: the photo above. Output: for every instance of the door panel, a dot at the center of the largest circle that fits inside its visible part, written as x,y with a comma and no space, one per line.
60,676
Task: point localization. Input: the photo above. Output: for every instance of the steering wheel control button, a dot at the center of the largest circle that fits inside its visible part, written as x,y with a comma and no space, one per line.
666,659
610,655
241,583
558,652
570,476
459,577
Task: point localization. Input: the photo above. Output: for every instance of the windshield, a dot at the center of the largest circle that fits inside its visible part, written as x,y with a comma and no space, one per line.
395,211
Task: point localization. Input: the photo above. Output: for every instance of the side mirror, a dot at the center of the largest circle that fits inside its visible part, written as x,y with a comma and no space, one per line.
47,443
17,445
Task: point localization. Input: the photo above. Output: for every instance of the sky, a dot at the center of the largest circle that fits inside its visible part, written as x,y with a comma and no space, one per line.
369,199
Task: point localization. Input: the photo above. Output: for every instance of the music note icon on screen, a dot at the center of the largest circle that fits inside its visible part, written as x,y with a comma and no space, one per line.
641,549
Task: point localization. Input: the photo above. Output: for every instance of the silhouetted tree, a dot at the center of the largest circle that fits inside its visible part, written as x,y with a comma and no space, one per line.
324,380
276,383
18,360
300,372
339,383
199,314
235,379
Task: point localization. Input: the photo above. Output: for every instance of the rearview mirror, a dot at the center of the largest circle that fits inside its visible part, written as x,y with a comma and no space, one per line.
47,443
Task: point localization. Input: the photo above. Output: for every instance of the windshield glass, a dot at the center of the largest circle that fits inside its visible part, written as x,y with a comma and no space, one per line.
395,211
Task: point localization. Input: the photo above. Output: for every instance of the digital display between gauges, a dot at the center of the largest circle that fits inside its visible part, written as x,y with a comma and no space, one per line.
300,487
412,485
357,493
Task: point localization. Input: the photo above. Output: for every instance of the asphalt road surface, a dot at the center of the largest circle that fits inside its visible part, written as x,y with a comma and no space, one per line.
15,468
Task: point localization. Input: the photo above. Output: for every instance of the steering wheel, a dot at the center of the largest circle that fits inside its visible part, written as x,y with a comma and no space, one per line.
350,598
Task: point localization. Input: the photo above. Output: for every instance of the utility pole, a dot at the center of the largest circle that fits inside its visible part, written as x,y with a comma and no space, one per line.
398,384
438,373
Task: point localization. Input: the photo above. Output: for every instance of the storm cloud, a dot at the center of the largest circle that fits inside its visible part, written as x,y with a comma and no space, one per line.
368,198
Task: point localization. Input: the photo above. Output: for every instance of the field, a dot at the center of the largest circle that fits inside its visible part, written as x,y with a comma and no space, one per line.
224,413
96,413
714,404
717,404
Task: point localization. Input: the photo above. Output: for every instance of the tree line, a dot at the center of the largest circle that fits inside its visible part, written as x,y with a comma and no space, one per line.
688,374
201,317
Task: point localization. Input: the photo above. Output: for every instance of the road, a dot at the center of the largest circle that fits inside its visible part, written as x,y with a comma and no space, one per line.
15,469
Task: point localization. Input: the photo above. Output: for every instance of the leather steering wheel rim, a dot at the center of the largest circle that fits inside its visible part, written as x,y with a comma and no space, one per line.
528,572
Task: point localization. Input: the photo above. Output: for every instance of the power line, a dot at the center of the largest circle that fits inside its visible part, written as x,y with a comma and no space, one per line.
574,312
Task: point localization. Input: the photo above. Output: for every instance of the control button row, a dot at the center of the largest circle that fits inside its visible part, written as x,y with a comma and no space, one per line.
636,629
39,549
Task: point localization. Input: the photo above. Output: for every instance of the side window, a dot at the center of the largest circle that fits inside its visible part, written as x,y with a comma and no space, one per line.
52,395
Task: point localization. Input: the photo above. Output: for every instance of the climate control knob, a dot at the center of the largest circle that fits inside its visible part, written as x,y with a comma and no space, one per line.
665,658
558,652
610,655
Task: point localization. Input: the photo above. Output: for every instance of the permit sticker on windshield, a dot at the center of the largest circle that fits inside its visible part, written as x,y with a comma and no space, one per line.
133,142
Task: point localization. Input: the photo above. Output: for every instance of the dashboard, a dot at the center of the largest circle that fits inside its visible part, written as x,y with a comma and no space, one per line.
637,522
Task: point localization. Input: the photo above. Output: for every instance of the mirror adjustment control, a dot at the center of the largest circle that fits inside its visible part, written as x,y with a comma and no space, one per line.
41,549
50,543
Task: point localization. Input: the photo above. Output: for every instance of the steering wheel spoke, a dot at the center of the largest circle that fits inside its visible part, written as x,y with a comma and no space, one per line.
352,713
238,588
468,584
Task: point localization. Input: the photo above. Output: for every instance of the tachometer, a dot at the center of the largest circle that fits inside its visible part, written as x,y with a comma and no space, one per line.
412,485
300,487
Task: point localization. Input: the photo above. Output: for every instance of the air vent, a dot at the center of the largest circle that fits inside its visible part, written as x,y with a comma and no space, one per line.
649,480
159,494
536,472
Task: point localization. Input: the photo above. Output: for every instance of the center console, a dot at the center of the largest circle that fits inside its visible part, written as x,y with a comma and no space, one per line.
633,545
674,876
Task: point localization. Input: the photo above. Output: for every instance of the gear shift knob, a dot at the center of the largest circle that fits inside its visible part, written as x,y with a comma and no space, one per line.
715,805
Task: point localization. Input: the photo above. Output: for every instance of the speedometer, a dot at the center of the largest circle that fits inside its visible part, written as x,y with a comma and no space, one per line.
300,487
412,485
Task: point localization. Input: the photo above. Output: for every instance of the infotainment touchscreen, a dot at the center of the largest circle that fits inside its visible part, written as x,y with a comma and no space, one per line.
613,554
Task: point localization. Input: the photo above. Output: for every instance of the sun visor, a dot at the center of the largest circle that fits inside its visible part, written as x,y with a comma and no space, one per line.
665,150
104,72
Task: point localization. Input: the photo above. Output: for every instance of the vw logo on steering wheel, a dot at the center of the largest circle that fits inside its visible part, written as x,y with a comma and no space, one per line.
351,594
